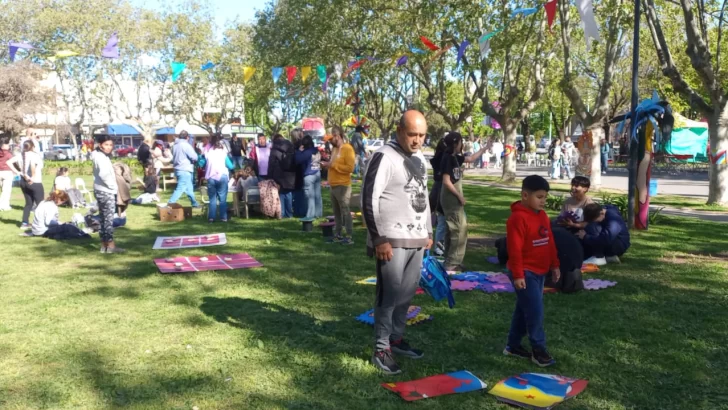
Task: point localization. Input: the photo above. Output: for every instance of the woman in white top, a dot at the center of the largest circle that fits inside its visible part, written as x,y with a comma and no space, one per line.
105,190
46,222
31,179
217,174
160,156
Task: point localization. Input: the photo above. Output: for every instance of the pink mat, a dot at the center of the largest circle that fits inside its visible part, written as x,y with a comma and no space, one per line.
204,263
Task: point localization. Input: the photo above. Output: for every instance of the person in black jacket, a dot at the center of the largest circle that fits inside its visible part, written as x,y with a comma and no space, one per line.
237,150
144,153
282,169
606,237
300,203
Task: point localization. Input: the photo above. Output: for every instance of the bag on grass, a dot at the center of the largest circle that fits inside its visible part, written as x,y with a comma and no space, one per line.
570,282
434,280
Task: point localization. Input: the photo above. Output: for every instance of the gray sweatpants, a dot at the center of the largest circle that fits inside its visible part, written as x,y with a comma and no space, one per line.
397,281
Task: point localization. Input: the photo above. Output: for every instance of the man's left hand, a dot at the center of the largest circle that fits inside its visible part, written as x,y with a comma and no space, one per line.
556,274
429,245
581,234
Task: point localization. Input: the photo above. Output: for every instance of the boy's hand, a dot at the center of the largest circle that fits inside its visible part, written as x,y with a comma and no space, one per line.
384,252
556,274
429,244
462,200
519,283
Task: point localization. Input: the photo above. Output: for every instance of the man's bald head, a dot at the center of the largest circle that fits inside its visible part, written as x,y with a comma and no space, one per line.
411,131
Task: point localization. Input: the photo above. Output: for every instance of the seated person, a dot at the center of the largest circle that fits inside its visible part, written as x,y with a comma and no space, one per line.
606,236
245,179
572,211
46,222
63,183
149,187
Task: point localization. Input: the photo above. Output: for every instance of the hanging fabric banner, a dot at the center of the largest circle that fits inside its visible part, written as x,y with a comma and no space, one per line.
321,72
112,47
429,44
177,69
305,72
248,73
208,65
417,50
352,68
291,73
591,29
325,84
402,60
13,48
550,8
339,70
277,72
65,53
461,51
484,42
525,12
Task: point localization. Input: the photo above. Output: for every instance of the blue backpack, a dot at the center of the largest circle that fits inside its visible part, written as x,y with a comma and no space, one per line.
435,281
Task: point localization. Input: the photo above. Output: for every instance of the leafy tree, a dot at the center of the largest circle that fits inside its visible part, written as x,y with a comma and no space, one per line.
20,95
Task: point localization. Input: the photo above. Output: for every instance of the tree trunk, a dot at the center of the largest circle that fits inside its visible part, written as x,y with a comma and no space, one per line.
509,127
718,171
589,160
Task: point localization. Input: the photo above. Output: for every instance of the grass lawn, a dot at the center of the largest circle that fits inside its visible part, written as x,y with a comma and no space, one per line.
81,330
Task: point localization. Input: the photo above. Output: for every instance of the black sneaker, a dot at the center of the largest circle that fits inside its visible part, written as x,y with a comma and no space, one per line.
542,358
384,361
402,348
517,351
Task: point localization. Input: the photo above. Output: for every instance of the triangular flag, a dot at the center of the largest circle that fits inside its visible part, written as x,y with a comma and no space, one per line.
13,48
461,50
248,73
277,72
291,73
338,69
429,44
208,65
402,60
591,29
65,53
305,72
417,50
352,68
484,42
550,8
177,69
112,47
525,12
325,84
321,72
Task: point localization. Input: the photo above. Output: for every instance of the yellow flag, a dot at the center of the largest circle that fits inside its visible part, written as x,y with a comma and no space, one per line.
305,71
65,53
248,73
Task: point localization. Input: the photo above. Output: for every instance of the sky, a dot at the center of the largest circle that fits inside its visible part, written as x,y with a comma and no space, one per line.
224,10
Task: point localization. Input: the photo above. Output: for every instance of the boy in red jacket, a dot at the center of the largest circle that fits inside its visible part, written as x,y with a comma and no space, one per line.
531,254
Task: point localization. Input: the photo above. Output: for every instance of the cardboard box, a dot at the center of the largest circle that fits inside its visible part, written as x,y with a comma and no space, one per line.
173,212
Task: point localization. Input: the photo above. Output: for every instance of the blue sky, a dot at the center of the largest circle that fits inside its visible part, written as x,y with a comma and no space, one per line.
224,10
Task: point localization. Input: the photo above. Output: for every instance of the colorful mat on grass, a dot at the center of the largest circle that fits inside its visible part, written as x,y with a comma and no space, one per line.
451,383
537,391
490,282
414,316
184,264
194,241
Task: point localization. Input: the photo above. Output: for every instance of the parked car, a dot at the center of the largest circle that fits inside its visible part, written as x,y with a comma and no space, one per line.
123,151
60,152
374,145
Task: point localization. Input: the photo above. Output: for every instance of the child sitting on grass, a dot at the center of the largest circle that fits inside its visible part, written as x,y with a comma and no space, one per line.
149,186
63,183
531,254
575,204
46,221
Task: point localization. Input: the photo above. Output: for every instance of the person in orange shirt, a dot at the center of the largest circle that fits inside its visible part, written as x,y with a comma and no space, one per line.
340,167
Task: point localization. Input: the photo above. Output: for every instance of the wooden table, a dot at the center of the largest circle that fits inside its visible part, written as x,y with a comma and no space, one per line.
166,175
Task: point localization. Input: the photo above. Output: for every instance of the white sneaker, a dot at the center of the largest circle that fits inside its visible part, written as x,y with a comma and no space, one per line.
613,259
596,261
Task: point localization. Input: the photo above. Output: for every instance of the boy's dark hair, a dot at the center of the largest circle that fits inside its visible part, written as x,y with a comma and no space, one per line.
583,182
592,212
533,183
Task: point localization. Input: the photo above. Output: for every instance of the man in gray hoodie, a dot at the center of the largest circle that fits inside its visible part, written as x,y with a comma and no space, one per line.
397,213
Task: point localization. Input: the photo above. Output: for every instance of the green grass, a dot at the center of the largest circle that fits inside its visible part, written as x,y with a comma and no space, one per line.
81,330
673,201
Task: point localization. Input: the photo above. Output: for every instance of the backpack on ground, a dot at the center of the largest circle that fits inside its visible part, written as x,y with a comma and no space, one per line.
434,280
570,282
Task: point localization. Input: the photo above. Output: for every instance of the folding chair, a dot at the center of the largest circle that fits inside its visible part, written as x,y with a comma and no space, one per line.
81,186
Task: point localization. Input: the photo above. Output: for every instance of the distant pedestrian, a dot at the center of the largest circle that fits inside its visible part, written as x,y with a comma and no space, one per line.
340,168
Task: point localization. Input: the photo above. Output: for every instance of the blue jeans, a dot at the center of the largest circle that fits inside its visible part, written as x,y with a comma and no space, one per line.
312,193
528,315
555,168
441,230
184,186
605,161
237,162
567,168
286,204
217,191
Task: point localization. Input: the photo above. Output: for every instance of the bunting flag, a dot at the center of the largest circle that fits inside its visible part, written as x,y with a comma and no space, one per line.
177,69
277,72
248,73
291,73
352,68
550,8
65,53
325,84
416,50
524,12
484,43
112,47
429,44
461,50
208,65
402,60
321,72
305,72
13,48
591,29
339,70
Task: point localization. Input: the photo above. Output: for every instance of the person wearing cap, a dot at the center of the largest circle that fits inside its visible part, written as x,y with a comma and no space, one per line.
340,167
399,226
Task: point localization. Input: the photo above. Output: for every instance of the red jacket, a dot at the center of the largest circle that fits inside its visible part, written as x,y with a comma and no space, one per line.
531,245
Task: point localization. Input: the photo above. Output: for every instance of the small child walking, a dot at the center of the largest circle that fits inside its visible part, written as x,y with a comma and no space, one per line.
531,255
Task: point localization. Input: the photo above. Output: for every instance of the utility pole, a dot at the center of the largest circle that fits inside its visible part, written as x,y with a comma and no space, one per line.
632,164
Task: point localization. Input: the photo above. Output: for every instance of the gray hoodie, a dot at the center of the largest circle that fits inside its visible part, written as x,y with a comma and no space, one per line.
104,175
